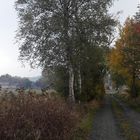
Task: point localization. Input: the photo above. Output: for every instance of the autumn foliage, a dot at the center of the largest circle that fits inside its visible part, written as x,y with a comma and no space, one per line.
124,59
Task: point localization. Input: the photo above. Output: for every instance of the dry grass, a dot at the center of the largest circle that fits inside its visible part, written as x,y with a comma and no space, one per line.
26,117
84,128
127,130
132,102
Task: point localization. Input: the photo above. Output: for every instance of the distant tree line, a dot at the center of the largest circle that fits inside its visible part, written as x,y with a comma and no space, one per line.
19,82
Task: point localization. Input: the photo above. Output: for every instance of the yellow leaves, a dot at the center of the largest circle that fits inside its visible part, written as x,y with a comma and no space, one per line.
118,55
124,58
115,58
115,63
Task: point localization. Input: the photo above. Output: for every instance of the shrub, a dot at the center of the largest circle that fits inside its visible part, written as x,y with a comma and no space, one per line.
36,118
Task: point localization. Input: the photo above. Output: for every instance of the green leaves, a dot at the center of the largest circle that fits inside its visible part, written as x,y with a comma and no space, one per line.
59,33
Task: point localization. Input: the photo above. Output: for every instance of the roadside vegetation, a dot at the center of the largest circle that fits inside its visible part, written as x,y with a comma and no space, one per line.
27,117
37,117
131,102
123,122
84,128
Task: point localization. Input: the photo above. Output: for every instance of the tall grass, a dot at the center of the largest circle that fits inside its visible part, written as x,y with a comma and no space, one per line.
26,117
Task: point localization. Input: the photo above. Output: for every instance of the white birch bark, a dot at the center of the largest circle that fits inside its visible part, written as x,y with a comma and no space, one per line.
71,84
79,81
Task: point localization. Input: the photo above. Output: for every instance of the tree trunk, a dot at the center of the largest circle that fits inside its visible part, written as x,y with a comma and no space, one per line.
79,80
71,84
133,86
68,43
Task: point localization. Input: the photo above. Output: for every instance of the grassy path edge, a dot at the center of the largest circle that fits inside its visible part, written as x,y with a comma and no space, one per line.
85,127
125,126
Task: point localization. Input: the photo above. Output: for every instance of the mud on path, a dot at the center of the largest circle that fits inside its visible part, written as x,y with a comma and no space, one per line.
105,125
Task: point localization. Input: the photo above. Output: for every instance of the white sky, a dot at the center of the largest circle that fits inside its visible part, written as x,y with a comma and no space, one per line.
8,25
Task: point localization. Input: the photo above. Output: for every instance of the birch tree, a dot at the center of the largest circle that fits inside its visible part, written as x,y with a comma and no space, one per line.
54,32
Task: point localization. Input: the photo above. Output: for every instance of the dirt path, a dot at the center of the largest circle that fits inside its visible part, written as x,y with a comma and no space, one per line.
132,115
105,127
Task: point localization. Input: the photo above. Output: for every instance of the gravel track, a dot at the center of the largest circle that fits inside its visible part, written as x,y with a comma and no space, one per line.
105,125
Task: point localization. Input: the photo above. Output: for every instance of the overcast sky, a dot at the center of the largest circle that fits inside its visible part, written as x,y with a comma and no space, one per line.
8,24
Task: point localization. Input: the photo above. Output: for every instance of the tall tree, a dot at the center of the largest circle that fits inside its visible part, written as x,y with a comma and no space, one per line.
125,58
56,32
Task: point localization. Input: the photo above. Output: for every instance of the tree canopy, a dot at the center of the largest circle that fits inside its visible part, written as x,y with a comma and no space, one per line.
125,57
63,33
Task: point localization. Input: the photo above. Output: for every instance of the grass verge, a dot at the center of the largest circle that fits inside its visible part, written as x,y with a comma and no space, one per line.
125,126
133,103
84,128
